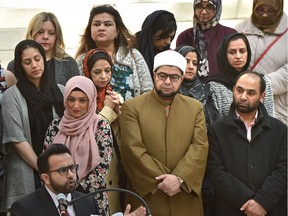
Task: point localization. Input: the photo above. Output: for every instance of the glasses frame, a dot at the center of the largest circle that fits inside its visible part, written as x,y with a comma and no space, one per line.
172,79
261,11
201,9
64,170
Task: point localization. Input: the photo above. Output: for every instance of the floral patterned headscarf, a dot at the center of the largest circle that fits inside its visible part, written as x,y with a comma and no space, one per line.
199,38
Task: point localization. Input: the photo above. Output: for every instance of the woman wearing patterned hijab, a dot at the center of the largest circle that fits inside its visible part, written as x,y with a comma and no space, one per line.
268,24
86,135
205,35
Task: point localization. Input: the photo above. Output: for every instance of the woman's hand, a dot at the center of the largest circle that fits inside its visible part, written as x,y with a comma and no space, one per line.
114,101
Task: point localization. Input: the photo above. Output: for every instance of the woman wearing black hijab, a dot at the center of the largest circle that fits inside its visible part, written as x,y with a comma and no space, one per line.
28,108
157,32
233,58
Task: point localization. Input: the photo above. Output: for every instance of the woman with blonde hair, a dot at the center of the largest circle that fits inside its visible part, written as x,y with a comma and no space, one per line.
45,29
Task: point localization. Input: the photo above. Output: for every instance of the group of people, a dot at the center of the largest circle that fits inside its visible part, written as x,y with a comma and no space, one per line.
201,129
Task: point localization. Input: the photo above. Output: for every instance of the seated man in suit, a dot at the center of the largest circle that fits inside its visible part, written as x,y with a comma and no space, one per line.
59,174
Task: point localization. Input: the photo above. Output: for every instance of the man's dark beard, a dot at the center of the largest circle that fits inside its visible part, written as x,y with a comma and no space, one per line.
245,109
167,96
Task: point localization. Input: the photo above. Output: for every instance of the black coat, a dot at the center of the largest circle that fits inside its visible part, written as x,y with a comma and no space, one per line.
240,170
40,203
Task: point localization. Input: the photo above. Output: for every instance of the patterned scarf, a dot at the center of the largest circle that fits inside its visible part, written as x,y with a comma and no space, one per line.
199,38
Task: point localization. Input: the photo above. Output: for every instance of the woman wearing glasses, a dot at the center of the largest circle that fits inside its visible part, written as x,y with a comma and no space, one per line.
205,35
267,27
28,107
88,137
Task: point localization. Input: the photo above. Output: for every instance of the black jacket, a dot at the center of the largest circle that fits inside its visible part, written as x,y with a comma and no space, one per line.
40,202
240,170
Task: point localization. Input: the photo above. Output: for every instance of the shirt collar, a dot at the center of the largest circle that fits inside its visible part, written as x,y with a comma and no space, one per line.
254,119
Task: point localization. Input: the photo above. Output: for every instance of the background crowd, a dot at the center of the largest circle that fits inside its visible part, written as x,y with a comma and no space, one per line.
119,94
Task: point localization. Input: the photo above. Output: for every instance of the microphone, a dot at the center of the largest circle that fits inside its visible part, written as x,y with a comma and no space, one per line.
148,212
63,204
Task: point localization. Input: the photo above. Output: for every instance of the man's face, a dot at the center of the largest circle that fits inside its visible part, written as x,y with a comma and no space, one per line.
246,94
60,182
167,81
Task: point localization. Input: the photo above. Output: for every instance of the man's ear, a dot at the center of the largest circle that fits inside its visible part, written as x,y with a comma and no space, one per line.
45,178
262,96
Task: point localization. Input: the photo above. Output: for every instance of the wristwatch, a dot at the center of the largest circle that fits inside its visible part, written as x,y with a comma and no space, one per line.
180,180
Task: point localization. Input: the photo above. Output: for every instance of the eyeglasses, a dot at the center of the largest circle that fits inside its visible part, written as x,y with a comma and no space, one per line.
260,10
209,8
163,76
64,170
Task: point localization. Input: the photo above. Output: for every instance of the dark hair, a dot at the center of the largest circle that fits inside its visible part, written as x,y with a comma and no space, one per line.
43,159
20,47
254,74
124,37
166,23
160,20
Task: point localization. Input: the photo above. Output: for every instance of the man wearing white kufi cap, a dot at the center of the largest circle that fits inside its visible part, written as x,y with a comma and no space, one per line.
164,142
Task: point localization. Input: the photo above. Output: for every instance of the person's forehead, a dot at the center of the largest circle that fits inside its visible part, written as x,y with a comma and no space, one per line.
169,69
60,160
248,82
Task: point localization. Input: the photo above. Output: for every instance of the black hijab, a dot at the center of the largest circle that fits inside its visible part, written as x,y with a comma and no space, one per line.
156,21
39,103
229,73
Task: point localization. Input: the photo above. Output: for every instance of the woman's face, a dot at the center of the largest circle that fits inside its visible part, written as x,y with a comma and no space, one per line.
237,54
192,65
266,14
103,29
77,103
33,64
101,73
204,12
47,38
161,44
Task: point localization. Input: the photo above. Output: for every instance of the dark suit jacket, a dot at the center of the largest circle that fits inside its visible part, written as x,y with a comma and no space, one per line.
40,202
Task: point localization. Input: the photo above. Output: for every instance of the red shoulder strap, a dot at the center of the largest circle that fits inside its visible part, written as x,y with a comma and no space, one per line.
267,49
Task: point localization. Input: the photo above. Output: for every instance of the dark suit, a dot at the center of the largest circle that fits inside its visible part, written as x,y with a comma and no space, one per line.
40,202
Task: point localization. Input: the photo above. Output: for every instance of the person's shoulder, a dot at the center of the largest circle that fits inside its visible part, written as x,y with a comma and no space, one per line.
27,198
276,124
11,91
187,31
84,197
226,29
139,98
189,100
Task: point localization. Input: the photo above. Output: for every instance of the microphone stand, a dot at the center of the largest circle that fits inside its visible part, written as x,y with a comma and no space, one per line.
148,212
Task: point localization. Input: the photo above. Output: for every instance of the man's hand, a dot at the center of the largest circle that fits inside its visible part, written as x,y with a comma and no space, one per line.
169,184
252,208
140,211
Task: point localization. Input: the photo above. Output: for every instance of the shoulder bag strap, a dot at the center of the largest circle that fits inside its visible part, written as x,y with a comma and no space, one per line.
267,49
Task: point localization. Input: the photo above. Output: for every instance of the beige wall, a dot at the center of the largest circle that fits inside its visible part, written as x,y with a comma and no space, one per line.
73,16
